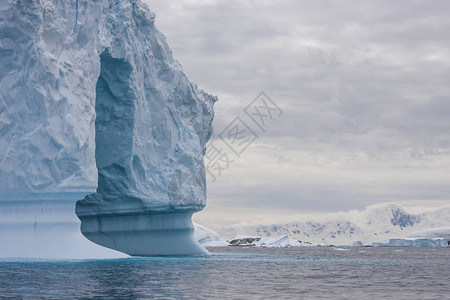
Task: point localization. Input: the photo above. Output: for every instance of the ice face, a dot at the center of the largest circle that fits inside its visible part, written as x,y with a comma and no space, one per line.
92,92
208,237
420,243
47,83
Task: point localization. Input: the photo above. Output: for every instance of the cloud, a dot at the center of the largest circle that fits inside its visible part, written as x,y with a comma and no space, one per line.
363,86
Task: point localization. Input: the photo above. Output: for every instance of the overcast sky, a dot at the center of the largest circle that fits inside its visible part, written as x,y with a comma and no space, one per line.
364,90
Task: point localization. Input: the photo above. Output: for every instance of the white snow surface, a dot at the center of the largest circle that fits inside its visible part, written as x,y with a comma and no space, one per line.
442,232
434,237
277,242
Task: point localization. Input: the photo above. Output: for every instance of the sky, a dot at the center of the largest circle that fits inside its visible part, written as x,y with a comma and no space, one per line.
359,101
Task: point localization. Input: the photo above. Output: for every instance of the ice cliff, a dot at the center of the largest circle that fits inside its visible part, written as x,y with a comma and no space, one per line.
91,98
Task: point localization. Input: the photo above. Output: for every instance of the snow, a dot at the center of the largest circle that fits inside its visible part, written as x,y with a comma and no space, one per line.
441,232
93,105
278,242
377,223
242,236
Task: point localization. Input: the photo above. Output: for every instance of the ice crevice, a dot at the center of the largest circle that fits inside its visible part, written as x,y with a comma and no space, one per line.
76,16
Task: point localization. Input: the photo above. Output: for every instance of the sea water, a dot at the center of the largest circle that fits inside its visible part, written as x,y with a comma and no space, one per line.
238,273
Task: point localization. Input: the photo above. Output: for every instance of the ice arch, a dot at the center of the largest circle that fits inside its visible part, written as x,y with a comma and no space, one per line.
114,124
143,231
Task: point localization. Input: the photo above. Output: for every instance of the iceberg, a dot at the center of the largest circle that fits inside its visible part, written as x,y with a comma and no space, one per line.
440,232
419,243
433,237
46,229
50,230
208,237
93,106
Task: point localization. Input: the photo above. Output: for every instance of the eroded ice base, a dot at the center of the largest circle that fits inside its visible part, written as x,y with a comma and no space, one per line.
46,229
144,234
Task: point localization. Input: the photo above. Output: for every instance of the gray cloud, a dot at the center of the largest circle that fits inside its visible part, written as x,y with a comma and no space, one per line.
355,79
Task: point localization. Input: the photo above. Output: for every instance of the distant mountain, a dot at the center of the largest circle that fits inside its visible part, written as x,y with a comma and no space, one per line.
376,223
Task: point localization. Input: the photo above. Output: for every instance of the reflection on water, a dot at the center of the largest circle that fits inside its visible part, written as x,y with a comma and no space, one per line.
239,273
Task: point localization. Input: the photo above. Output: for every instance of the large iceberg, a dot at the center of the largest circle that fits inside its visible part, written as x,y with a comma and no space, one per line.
418,243
433,237
93,105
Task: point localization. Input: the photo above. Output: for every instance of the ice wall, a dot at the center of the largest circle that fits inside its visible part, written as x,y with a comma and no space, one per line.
418,243
91,98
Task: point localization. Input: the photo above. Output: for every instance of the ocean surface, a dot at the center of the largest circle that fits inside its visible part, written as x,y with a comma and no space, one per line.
238,273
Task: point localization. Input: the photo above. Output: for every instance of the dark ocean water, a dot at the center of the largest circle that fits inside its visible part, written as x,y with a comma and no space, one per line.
238,273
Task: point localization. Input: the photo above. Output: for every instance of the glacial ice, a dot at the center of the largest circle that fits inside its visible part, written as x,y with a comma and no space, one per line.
50,229
46,229
440,232
409,242
208,237
92,100
433,237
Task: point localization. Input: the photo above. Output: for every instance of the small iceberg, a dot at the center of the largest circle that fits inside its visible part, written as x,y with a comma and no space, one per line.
208,237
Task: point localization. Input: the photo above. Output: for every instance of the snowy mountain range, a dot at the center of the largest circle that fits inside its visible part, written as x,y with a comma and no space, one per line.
376,223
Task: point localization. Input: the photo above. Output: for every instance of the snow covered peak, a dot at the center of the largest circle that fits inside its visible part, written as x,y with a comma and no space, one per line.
376,223
402,219
391,213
